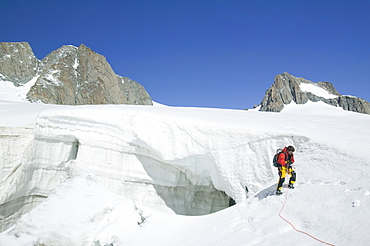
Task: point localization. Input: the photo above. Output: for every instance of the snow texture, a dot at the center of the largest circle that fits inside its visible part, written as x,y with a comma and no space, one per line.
123,175
316,90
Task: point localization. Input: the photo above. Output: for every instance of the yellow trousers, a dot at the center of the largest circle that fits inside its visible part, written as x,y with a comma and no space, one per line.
283,171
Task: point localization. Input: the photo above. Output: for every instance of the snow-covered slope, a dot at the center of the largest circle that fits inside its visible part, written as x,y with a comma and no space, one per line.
316,90
114,175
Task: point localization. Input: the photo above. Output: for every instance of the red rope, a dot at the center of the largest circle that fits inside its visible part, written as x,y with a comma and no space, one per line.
286,195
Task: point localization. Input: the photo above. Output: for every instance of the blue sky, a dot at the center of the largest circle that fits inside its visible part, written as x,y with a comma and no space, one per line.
206,53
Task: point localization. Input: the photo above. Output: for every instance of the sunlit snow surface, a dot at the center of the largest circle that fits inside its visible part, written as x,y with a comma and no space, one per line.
8,91
316,90
229,149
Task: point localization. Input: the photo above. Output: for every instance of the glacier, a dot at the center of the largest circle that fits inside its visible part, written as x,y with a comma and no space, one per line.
181,161
169,163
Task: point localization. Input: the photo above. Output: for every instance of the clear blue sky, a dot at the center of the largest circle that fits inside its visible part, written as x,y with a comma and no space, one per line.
206,53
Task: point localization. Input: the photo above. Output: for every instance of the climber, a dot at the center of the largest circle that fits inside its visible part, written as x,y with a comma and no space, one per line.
285,160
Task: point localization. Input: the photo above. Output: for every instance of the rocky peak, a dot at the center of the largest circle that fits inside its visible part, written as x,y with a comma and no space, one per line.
18,63
69,75
288,88
76,76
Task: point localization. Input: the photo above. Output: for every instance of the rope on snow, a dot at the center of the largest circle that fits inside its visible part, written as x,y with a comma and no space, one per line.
286,195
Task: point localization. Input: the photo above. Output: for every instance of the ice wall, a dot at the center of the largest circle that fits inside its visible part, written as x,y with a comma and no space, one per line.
13,142
175,160
113,146
37,168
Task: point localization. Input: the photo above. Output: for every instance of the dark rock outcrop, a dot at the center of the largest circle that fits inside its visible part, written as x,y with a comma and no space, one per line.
354,104
287,88
70,76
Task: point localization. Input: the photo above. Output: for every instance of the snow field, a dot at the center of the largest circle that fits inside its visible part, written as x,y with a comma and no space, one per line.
228,149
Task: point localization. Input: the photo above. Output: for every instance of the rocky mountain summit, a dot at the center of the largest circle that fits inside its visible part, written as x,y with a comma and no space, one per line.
288,88
18,64
69,75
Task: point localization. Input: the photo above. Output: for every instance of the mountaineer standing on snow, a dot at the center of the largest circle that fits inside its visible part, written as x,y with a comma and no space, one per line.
285,159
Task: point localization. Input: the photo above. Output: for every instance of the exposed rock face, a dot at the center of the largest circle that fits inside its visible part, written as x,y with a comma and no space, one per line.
69,76
354,104
18,64
134,93
287,88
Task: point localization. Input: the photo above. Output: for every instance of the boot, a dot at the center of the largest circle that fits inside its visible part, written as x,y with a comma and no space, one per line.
278,192
290,186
